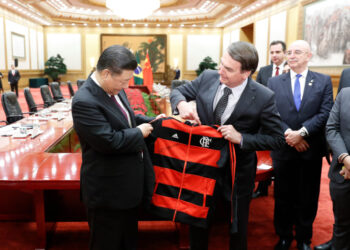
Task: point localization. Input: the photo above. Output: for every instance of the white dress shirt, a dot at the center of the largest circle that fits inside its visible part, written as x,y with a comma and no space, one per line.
302,80
280,69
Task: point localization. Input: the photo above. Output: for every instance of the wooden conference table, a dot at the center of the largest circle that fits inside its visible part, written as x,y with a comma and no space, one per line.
27,164
48,162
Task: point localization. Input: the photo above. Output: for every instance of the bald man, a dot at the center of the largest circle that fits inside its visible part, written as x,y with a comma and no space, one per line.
304,100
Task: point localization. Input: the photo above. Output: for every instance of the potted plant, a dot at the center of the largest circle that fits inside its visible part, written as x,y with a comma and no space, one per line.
207,63
54,67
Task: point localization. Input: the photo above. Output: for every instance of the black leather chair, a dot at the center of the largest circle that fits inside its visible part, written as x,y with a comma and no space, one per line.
80,83
46,95
56,92
11,107
177,83
32,106
70,88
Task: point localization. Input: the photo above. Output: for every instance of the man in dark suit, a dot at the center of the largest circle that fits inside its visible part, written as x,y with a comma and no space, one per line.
338,137
304,100
277,55
249,120
113,150
344,79
338,183
1,88
13,78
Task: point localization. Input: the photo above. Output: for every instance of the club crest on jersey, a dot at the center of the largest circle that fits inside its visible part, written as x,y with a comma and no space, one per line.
205,141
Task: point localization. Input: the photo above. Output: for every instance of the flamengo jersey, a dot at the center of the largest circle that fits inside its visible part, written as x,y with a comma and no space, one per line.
186,161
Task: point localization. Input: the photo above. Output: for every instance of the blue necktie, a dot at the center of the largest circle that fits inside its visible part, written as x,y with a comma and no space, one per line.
297,94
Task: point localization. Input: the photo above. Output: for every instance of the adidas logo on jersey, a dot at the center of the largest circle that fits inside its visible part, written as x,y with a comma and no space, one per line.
175,136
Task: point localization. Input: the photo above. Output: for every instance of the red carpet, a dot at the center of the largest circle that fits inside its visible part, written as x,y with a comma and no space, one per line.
162,235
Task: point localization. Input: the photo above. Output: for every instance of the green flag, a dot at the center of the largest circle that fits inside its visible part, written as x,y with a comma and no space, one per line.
138,75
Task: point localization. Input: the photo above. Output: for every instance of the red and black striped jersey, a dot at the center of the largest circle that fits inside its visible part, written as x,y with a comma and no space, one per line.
186,161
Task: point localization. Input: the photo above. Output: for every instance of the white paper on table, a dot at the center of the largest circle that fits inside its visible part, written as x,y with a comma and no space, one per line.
36,133
20,135
264,167
6,131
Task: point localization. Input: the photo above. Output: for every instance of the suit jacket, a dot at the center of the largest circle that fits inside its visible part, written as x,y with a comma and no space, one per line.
13,79
338,132
313,113
344,79
255,117
264,74
114,155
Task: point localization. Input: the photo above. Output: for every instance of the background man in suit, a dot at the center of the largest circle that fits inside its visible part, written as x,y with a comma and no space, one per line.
338,137
250,120
343,83
113,150
1,88
277,55
304,100
13,78
344,79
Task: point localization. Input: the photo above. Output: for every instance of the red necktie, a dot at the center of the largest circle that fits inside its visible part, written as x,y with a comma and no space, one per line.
120,107
277,71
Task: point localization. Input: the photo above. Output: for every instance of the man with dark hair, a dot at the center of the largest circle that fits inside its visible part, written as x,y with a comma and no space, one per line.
248,118
336,184
114,154
344,79
13,78
277,55
304,99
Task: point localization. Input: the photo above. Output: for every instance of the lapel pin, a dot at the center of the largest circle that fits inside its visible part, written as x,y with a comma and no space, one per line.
310,83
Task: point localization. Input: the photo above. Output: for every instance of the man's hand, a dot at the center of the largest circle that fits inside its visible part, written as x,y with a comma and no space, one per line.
345,172
158,117
302,146
188,112
146,129
293,137
230,133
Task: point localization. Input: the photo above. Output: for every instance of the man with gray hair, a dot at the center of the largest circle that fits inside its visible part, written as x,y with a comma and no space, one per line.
304,99
247,117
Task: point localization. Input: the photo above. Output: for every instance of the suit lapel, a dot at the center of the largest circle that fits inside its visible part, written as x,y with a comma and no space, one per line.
286,81
211,95
309,83
269,72
125,102
107,101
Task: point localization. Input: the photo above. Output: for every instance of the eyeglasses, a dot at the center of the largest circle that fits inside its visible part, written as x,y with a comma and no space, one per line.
296,52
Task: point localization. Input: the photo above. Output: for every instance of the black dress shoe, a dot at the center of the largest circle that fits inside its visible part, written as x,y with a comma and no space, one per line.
258,193
324,246
283,244
304,246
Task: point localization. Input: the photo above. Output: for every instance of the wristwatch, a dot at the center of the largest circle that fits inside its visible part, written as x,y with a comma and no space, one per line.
303,133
